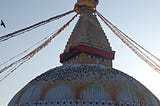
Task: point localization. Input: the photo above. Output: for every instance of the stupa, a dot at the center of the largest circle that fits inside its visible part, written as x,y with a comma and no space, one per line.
86,77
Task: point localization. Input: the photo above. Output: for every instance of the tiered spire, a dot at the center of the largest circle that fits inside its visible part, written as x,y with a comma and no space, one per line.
87,43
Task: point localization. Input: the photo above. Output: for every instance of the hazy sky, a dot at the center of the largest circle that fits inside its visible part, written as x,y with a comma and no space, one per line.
137,18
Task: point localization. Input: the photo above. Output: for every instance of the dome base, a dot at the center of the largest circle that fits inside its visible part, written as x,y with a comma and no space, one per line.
84,85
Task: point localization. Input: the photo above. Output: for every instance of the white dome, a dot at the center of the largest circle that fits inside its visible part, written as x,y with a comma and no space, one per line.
84,85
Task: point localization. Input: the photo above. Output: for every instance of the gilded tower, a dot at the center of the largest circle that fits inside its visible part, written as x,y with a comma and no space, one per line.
88,43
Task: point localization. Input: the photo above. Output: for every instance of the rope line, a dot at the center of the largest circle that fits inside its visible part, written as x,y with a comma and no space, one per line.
132,45
29,28
15,65
25,51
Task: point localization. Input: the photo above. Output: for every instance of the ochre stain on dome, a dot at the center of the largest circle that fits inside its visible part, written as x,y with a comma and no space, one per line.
21,93
139,94
46,88
79,88
112,89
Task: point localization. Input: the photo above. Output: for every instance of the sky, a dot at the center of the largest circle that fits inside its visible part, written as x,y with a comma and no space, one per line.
139,19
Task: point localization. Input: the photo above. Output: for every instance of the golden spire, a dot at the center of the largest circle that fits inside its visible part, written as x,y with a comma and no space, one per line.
88,43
